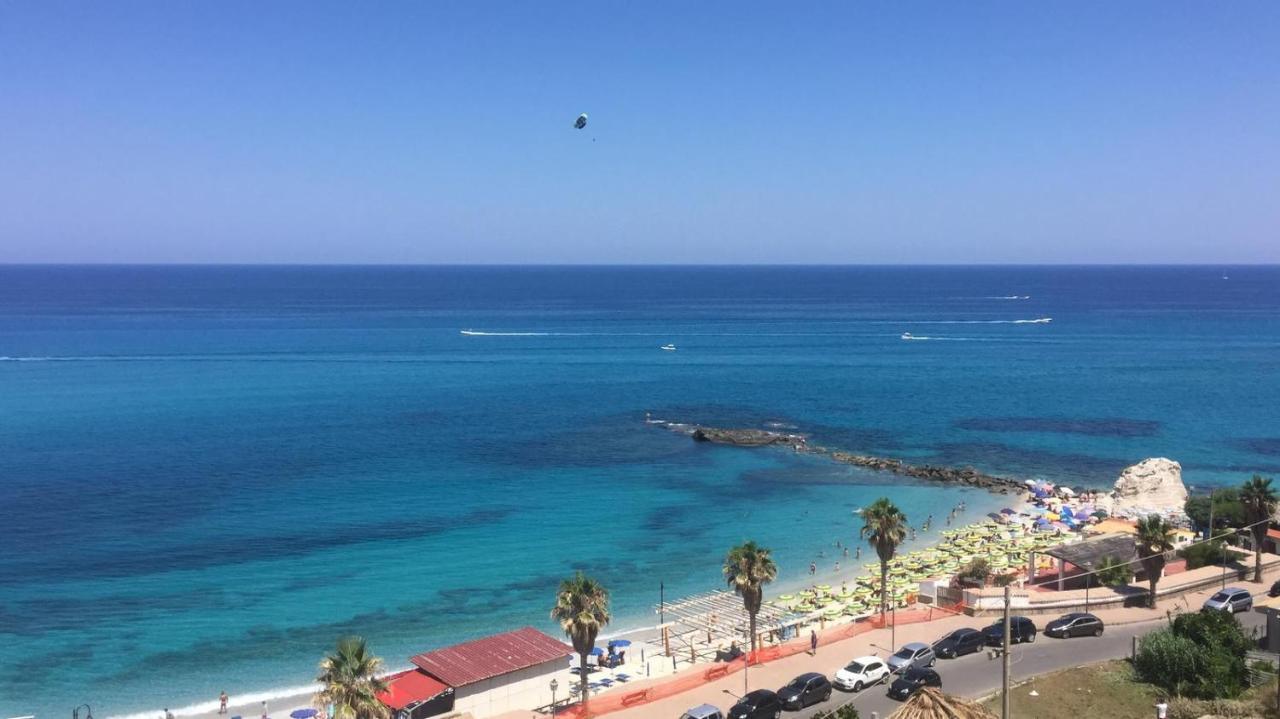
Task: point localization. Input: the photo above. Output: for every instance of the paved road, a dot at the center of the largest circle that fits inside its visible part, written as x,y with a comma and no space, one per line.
977,675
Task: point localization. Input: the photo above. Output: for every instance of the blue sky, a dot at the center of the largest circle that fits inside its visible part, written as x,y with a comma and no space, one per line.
720,132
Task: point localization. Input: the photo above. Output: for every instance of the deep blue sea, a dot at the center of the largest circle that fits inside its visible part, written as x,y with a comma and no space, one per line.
209,474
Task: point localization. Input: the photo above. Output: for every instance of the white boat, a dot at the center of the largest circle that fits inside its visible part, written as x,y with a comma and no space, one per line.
668,347
907,336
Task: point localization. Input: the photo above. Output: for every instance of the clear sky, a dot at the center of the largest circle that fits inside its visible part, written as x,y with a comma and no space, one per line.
725,132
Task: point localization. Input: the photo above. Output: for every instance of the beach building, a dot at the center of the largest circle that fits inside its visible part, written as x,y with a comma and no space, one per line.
496,674
414,694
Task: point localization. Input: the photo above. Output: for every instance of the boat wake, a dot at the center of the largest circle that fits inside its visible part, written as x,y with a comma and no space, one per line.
1008,297
475,333
1036,321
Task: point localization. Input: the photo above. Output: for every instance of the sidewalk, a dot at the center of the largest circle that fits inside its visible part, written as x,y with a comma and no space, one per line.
832,656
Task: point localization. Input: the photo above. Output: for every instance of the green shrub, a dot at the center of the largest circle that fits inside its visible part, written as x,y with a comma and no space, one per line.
1003,580
1113,572
1201,655
975,572
1202,554
845,711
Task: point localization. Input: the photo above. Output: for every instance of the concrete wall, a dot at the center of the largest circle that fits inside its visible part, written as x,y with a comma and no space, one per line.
525,689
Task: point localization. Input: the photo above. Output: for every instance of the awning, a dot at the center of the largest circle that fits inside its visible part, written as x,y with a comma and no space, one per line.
1273,534
408,688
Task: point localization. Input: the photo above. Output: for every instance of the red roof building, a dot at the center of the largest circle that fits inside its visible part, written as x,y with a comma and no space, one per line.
411,687
475,661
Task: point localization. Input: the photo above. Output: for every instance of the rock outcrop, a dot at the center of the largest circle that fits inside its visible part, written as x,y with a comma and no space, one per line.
744,437
1152,485
761,438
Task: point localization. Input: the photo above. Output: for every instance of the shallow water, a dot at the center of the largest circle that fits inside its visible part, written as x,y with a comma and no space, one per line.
207,475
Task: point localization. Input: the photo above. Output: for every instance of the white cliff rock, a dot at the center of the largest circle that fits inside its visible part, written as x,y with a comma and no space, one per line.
1152,485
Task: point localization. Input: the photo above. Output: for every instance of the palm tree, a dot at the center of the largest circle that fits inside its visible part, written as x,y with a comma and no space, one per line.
582,608
1259,501
884,526
930,703
1113,571
747,568
1154,538
349,681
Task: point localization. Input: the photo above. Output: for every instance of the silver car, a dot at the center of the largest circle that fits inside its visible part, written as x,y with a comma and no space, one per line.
1231,599
915,654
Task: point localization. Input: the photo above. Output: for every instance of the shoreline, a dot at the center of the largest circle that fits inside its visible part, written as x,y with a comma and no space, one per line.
1000,492
282,700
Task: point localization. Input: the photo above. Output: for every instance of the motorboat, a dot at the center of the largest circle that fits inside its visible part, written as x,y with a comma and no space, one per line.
668,347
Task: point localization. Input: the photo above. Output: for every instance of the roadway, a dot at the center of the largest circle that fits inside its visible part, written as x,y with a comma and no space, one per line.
977,675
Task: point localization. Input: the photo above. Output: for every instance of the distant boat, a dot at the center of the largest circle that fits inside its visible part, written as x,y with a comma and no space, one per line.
1225,277
471,333
907,336
668,348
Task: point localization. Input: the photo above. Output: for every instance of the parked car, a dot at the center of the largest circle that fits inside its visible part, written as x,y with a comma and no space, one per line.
912,680
805,690
958,643
1231,599
1275,589
911,655
703,711
861,672
1075,624
759,704
1021,629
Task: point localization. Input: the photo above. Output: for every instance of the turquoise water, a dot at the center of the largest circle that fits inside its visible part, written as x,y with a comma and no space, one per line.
208,475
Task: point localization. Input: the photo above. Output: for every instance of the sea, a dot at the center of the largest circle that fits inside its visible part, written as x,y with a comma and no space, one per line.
209,474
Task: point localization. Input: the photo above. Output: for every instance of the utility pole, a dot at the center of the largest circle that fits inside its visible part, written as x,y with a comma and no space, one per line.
1004,657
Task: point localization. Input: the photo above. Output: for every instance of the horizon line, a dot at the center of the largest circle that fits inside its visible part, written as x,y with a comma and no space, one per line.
746,265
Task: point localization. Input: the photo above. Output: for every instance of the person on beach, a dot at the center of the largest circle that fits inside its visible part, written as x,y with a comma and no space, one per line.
222,702
858,554
168,714
846,552
837,567
813,642
813,568
264,709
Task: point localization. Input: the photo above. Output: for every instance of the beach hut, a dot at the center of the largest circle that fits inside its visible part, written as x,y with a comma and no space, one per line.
500,673
414,694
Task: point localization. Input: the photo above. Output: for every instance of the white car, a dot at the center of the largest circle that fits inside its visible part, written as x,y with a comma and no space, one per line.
861,672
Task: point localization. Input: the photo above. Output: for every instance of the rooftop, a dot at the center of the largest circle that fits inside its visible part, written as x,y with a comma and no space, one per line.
481,659
1086,554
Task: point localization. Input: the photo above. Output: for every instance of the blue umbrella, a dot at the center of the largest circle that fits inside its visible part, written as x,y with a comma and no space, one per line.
596,651
620,643
303,713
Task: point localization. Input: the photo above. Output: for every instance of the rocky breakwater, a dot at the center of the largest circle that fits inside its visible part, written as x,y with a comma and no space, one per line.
967,476
1152,486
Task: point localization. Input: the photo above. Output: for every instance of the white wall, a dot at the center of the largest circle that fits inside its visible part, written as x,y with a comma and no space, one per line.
524,689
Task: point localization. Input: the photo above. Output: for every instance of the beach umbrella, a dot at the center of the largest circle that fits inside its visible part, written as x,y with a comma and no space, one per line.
303,713
596,651
620,643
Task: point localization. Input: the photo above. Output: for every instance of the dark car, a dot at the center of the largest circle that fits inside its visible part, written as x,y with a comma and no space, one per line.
805,690
910,682
959,643
759,704
1021,629
1075,624
1275,589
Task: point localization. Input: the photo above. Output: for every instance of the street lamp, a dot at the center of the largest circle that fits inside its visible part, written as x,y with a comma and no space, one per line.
88,712
554,686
